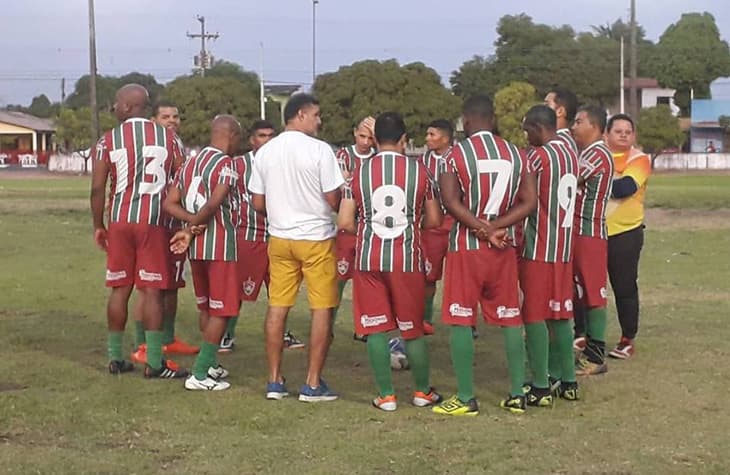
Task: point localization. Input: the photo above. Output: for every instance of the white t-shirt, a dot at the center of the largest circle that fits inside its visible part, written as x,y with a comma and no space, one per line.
293,171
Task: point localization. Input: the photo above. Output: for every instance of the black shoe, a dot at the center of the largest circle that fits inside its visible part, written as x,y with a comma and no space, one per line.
362,338
539,397
166,371
514,404
474,333
120,366
569,391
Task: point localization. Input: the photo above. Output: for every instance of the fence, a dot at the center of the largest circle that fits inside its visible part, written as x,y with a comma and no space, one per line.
692,161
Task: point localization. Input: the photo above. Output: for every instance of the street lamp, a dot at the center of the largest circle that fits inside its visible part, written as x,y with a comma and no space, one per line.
314,40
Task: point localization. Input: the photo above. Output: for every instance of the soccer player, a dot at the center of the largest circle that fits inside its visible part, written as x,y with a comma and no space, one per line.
392,195
138,155
546,273
590,259
625,221
204,194
439,137
487,189
166,114
349,158
565,104
253,259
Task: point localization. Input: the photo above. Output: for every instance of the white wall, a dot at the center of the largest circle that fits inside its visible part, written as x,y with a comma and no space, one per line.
650,96
692,161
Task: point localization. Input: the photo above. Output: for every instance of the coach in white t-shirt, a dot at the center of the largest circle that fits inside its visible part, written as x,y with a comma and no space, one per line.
296,181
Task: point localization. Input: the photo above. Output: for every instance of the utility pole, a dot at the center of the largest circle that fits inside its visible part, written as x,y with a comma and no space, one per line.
622,74
314,40
633,91
204,60
63,91
92,83
262,96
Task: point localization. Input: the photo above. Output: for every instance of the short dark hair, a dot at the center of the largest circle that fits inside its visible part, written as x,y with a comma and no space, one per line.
296,103
616,117
443,125
260,125
479,106
389,127
543,116
568,100
596,116
160,104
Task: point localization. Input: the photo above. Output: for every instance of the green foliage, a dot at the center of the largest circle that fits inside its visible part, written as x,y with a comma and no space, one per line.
371,87
658,129
41,106
106,88
510,106
73,127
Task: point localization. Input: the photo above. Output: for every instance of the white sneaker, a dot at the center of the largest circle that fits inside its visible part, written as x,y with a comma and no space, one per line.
208,384
218,372
227,344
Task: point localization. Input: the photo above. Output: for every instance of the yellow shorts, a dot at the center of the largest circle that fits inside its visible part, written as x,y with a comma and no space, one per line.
291,260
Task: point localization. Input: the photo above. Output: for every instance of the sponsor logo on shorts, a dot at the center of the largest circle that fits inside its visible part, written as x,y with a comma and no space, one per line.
368,321
603,292
568,305
149,276
554,305
218,304
457,310
404,326
505,312
428,266
343,266
249,286
119,275
200,300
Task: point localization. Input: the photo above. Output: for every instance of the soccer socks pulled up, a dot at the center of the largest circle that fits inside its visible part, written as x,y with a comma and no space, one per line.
114,346
462,357
563,335
428,308
379,357
417,352
205,359
596,323
138,333
168,329
340,290
231,327
514,346
537,350
154,348
555,367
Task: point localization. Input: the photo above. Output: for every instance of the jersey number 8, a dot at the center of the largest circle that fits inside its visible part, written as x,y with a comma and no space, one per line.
389,211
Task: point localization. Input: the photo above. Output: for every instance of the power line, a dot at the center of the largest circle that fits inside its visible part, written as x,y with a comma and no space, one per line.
204,61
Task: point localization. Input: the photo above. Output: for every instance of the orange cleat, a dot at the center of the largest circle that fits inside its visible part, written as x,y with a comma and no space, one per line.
140,354
179,347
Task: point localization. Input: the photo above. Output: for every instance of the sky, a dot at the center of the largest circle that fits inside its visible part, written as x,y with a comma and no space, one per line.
43,41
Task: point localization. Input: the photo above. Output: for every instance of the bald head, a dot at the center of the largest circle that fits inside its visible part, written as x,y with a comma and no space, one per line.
131,101
225,133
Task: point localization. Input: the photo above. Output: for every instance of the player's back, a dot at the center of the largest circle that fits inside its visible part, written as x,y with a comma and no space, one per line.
252,225
490,171
566,137
390,190
595,166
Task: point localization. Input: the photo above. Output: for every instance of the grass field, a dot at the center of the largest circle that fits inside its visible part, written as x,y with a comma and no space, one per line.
60,412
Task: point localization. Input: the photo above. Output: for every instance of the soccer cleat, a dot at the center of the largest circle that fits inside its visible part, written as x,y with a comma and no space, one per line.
140,354
554,386
291,342
227,345
385,403
321,393
624,349
362,338
456,407
474,333
217,372
514,404
586,367
207,384
428,328
569,391
276,391
179,347
120,366
421,399
168,370
539,397
579,343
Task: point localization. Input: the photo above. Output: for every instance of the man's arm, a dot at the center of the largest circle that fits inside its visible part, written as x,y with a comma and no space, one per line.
330,178
346,218
258,202
98,191
432,217
173,205
333,198
451,198
208,210
526,203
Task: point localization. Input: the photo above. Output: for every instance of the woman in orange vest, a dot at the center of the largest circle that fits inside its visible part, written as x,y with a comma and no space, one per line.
625,221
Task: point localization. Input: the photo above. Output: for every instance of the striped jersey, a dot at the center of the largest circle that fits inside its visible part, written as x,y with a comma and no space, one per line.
170,222
567,138
390,190
196,181
490,171
252,225
595,166
140,156
348,159
548,231
436,165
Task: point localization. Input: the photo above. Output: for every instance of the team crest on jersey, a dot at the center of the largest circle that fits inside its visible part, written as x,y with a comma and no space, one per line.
343,266
249,286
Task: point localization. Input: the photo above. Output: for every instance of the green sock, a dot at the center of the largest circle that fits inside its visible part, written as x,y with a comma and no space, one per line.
514,345
596,321
231,327
154,348
563,332
168,330
205,359
418,358
555,368
340,290
537,344
138,333
114,346
462,357
428,309
379,357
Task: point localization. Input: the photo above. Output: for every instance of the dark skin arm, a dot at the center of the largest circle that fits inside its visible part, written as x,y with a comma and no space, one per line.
526,204
432,216
259,203
98,191
346,216
333,199
174,208
451,198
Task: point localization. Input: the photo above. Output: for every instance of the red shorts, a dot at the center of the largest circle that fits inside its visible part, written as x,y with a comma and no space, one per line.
434,243
384,301
486,277
139,255
253,267
590,269
345,251
547,288
217,287
177,265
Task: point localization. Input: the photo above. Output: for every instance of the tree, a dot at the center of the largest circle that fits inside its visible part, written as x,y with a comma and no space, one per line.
474,77
689,56
106,89
511,103
371,87
73,128
41,106
658,129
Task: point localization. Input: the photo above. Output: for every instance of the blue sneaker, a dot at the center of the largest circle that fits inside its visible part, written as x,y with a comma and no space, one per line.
276,391
320,393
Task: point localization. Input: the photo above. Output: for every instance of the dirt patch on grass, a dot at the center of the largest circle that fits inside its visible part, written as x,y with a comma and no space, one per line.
663,218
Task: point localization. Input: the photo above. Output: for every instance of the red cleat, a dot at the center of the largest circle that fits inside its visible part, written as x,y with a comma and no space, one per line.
140,354
179,347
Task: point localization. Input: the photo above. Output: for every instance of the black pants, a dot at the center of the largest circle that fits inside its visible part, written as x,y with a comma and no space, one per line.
624,251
